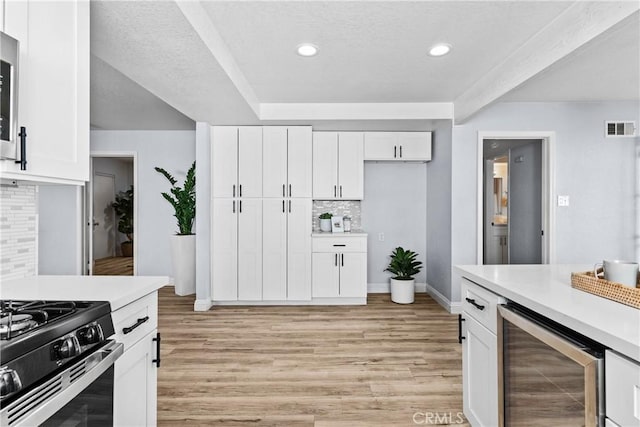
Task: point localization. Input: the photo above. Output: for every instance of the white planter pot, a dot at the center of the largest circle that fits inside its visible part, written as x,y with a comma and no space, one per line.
183,260
402,291
325,225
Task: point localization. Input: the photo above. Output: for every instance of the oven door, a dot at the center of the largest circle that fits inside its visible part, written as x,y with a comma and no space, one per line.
80,395
547,375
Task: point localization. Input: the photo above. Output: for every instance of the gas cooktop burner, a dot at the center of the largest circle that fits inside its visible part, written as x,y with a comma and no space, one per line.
18,317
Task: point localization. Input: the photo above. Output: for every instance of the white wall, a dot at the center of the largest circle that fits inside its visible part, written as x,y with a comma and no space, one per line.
172,150
598,174
439,211
395,203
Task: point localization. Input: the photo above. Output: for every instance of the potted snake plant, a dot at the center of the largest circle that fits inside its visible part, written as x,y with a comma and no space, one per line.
404,267
183,243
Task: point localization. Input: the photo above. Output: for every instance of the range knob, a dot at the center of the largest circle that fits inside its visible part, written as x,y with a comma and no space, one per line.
90,335
9,382
68,347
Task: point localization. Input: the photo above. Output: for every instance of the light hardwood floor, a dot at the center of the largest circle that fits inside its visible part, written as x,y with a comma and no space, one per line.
113,266
374,365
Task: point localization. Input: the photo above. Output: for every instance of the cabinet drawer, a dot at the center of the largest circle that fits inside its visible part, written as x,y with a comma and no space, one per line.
481,304
135,320
622,389
339,244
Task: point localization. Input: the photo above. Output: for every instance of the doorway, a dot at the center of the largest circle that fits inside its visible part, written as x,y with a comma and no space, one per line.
514,198
111,215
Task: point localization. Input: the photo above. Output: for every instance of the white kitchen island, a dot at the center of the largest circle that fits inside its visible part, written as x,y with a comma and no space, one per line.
134,307
545,290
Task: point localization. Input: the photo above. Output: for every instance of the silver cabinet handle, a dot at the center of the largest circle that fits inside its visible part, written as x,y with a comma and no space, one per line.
234,190
289,190
394,151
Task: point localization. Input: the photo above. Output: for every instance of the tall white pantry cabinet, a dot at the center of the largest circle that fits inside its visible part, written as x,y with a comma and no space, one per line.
261,213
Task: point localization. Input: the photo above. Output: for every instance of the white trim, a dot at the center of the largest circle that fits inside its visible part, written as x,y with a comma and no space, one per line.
37,179
384,288
202,305
313,301
548,188
451,307
136,196
80,230
356,111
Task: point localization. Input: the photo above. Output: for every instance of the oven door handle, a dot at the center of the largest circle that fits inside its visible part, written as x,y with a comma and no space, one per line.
60,389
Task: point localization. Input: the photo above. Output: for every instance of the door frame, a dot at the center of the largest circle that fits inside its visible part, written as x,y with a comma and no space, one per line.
548,139
88,209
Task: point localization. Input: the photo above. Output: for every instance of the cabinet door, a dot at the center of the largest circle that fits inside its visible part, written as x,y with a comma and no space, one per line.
325,275
224,161
274,162
350,166
299,250
135,384
353,275
380,145
274,256
250,250
479,374
325,165
250,161
299,161
54,87
414,145
224,250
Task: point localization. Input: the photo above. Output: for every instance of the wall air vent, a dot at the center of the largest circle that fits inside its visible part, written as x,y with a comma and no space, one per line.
619,128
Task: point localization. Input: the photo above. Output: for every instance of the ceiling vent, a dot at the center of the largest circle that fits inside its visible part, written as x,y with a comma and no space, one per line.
614,128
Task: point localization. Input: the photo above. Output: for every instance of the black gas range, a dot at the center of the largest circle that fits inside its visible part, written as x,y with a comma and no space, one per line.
45,348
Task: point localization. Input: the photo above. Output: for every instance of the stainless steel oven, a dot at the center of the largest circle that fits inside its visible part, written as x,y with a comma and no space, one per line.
9,54
547,374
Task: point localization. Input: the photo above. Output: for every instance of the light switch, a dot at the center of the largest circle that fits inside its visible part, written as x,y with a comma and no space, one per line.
381,237
563,201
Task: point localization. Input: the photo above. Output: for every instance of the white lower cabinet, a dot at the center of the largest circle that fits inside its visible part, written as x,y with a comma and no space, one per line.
479,354
135,400
622,390
339,267
135,372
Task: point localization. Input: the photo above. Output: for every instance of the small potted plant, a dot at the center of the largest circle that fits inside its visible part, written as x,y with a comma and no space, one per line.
325,221
123,206
404,266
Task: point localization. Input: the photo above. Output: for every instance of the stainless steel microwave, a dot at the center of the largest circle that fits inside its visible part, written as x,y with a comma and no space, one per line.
9,53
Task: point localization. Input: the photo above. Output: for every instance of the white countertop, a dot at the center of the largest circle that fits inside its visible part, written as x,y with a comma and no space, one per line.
354,233
118,290
546,289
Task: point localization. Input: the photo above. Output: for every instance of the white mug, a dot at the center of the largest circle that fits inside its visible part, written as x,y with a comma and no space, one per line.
624,272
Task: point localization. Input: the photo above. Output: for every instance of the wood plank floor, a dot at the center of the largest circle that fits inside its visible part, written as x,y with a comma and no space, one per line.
113,266
374,365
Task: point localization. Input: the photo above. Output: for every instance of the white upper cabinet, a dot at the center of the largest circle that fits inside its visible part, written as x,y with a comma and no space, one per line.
53,89
400,146
236,154
338,169
287,161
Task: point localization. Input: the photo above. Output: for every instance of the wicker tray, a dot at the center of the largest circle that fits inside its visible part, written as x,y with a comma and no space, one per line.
614,291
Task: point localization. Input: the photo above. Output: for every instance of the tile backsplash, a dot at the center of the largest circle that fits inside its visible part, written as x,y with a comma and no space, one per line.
18,231
339,208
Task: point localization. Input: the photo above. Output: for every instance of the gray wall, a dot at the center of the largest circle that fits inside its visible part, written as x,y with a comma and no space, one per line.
59,232
172,150
596,172
439,185
395,203
123,172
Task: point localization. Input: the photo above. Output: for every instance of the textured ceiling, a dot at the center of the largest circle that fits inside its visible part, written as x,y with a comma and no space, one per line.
192,56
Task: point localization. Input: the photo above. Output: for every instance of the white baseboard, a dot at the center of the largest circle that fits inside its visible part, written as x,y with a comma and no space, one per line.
383,288
202,305
313,301
451,307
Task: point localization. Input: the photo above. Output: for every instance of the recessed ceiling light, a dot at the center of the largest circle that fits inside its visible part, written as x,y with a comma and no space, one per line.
307,49
440,49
